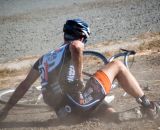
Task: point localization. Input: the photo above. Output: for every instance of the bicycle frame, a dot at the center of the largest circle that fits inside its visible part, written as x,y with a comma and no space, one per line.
125,53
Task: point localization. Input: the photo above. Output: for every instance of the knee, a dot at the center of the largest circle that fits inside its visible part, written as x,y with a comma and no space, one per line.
121,67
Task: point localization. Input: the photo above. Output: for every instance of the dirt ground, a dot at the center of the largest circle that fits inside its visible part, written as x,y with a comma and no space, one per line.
35,27
146,69
28,29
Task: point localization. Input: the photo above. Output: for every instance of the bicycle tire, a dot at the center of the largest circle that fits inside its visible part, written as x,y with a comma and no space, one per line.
127,58
6,93
92,61
96,54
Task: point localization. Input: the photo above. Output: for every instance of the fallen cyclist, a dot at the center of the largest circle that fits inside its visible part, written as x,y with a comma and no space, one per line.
62,79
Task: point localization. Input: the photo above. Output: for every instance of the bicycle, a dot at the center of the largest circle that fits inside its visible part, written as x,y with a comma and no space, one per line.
93,56
33,97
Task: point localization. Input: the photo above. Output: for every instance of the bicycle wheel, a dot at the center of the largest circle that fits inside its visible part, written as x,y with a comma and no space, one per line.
125,57
32,98
92,61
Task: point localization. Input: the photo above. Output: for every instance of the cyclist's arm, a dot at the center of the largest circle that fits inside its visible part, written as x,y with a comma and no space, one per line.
22,89
76,49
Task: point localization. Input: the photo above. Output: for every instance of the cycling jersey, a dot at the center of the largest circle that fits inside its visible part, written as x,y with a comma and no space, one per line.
56,72
54,65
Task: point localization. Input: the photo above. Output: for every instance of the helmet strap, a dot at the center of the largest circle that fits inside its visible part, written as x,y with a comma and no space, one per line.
84,40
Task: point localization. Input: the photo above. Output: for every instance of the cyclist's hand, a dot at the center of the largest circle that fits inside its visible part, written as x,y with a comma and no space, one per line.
3,114
78,85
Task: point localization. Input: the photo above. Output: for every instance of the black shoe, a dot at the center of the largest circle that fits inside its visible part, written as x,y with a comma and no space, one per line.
153,111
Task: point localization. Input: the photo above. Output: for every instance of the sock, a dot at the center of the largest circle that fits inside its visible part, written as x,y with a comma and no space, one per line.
144,101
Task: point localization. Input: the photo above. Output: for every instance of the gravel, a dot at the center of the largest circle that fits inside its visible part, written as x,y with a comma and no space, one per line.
34,27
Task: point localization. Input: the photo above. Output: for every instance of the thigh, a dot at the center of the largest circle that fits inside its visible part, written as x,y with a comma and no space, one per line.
111,70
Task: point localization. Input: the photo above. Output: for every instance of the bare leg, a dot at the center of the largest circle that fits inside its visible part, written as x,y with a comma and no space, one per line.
117,70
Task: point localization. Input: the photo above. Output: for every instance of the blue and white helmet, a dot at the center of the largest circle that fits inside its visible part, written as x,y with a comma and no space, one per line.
76,28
